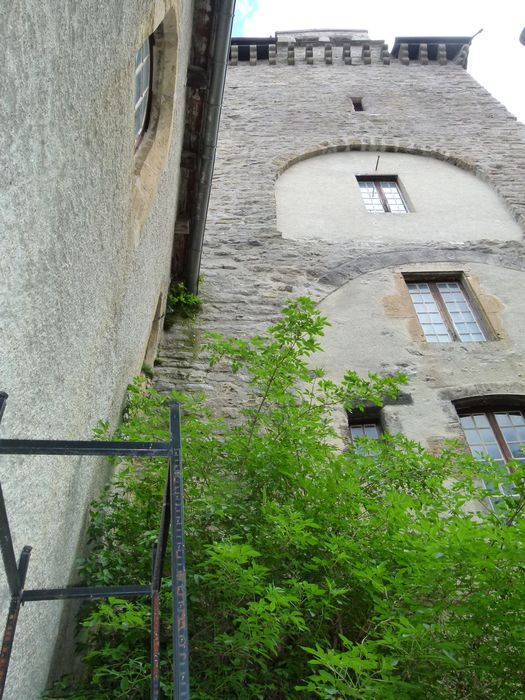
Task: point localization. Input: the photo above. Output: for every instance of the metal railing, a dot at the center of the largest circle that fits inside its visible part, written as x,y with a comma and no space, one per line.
172,512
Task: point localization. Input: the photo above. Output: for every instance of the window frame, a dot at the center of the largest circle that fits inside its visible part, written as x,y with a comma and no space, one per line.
376,181
370,415
432,279
365,422
489,408
145,124
153,151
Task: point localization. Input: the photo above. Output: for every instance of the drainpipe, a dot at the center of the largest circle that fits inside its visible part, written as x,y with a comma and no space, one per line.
209,141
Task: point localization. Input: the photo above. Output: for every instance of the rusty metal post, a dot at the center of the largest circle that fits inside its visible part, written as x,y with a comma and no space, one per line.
12,619
181,687
8,552
159,553
155,631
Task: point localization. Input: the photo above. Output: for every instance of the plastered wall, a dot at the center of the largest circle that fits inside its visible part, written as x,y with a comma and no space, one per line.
386,336
84,254
319,198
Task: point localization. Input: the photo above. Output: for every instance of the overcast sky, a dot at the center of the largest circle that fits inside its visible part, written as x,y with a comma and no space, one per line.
496,59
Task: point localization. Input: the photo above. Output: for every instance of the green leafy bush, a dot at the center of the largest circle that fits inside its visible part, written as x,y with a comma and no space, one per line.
313,571
181,304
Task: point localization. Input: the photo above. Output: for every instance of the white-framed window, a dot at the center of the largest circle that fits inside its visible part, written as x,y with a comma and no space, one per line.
382,194
143,73
444,312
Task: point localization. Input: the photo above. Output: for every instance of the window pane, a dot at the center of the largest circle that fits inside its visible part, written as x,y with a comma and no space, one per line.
512,426
369,430
380,196
364,430
393,197
460,312
483,442
481,438
428,313
371,198
142,87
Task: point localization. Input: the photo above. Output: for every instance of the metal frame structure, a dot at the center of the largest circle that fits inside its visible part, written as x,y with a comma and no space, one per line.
172,512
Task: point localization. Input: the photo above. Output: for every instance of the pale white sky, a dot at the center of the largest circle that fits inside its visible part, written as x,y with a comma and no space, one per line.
496,60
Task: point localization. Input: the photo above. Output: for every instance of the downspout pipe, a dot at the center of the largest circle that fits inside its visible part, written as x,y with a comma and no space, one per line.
220,53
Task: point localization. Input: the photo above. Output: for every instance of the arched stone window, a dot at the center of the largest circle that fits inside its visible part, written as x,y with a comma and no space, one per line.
154,102
494,427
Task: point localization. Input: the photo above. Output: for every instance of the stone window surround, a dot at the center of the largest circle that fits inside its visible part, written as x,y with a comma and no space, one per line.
433,281
152,153
471,294
479,397
378,415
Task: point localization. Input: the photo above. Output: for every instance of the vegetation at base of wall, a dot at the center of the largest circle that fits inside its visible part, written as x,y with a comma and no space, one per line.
147,370
315,570
181,304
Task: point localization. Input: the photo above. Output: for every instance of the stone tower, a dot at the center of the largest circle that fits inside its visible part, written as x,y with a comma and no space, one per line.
388,185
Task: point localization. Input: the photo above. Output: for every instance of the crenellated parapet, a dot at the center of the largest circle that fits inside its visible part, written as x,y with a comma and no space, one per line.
351,47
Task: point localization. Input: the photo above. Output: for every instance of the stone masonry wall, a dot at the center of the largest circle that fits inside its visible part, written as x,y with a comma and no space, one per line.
275,115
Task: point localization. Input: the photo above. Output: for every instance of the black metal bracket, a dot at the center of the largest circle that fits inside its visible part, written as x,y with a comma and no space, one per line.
172,512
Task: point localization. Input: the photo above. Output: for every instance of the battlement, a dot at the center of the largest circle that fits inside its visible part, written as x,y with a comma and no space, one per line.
351,47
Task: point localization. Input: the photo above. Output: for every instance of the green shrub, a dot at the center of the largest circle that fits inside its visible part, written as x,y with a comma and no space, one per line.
313,572
181,304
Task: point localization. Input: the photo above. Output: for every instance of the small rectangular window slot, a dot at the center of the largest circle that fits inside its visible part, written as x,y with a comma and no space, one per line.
357,103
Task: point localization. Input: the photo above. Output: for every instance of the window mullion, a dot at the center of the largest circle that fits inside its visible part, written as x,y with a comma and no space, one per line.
443,311
499,437
384,201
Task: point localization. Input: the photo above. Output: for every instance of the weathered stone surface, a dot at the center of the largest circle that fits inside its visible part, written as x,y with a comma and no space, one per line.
274,116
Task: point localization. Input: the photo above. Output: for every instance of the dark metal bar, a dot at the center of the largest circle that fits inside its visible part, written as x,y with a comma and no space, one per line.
178,564
155,632
90,592
8,552
84,447
159,553
12,619
162,542
172,512
3,399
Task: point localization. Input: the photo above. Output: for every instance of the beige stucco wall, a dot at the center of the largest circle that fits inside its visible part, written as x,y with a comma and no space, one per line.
374,327
319,198
86,234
